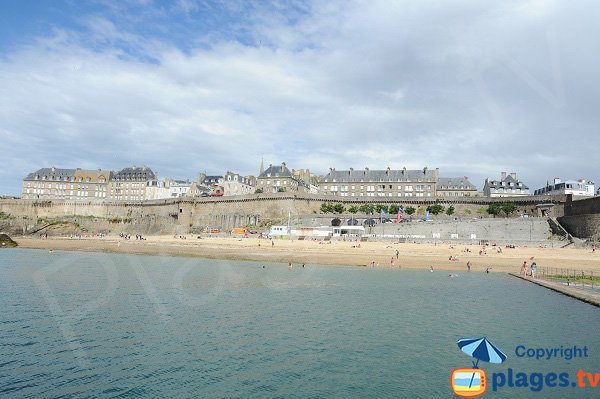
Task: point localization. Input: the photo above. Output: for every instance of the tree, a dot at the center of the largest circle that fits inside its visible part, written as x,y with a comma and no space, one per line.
409,210
281,190
339,208
436,209
326,207
258,191
393,209
450,211
366,208
468,211
380,207
420,211
494,209
508,207
353,209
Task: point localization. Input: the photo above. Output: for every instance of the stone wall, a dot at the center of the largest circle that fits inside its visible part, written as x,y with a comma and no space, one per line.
182,215
582,226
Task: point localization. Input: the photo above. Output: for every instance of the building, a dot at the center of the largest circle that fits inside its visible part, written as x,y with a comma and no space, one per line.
49,183
235,184
89,184
66,184
279,179
578,188
455,187
507,186
130,184
380,183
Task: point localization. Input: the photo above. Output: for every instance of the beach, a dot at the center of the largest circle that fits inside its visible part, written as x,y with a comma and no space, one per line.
380,253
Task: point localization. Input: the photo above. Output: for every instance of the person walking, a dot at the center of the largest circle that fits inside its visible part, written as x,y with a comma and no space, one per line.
468,265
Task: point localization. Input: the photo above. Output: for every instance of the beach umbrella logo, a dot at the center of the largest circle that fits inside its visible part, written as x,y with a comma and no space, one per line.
470,382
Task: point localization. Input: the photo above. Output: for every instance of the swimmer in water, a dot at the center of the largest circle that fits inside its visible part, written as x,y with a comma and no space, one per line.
431,269
290,266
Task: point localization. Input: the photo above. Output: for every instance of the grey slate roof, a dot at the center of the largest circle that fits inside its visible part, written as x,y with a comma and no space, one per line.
52,174
462,183
134,174
509,179
368,175
276,171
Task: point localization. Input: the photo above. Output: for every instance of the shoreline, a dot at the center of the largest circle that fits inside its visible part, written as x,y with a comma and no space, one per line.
410,255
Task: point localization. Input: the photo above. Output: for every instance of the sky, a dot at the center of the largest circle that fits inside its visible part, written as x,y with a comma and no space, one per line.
471,87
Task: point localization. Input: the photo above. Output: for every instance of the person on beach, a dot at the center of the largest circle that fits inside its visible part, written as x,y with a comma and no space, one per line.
524,268
290,266
392,262
272,243
468,265
397,253
487,269
533,269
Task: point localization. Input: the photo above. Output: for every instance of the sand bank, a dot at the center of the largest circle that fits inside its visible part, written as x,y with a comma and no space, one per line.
410,255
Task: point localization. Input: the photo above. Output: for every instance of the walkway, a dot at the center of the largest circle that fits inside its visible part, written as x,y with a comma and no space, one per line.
593,298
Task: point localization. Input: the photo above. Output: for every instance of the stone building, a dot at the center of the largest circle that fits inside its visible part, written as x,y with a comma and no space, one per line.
49,183
455,187
130,184
90,184
235,184
278,179
380,183
507,186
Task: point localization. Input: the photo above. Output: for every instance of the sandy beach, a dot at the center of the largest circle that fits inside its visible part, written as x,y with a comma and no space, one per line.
410,255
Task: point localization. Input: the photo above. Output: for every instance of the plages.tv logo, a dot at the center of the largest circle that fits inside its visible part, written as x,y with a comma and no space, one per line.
472,381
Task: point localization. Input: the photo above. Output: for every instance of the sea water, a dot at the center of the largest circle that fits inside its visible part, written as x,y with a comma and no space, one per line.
98,325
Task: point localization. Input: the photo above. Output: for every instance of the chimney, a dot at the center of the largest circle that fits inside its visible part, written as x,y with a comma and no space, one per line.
366,171
503,176
556,180
350,171
513,175
387,172
330,170
425,170
404,170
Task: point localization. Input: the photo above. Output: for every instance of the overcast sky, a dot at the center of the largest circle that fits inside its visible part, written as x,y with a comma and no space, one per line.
472,87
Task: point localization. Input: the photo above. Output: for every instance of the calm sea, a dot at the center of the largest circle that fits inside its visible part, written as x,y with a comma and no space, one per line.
95,325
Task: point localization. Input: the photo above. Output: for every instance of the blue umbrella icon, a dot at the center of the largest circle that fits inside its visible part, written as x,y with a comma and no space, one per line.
481,349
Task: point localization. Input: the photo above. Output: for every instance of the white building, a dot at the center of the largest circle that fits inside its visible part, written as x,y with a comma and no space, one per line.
578,188
507,186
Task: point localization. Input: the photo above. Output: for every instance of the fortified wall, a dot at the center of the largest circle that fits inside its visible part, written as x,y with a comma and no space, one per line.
582,217
181,216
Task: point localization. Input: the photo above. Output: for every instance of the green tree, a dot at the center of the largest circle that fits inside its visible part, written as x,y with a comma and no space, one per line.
258,191
481,210
420,211
327,207
494,209
380,207
468,211
436,209
450,211
281,190
367,208
393,209
508,207
339,208
353,209
409,210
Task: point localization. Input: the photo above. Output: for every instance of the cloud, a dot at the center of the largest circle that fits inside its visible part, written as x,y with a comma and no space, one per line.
471,88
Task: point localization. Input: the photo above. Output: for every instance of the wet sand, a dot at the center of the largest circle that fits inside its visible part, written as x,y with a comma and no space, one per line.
411,255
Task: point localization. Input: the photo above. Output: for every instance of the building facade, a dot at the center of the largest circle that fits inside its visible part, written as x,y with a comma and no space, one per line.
279,179
578,188
235,184
455,187
48,183
129,184
380,183
507,186
90,184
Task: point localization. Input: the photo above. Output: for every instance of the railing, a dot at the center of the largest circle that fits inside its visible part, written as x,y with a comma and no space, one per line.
570,277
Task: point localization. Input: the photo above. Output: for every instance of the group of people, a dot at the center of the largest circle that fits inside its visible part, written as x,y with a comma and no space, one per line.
529,270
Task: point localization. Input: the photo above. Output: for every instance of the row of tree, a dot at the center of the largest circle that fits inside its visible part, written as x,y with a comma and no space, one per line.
435,209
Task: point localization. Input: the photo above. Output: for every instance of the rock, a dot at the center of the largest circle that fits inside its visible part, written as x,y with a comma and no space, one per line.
7,242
